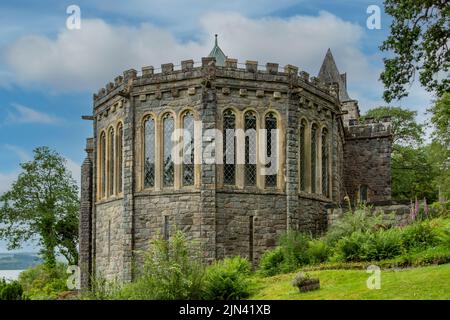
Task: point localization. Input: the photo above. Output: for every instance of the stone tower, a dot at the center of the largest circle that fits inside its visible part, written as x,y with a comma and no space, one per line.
133,190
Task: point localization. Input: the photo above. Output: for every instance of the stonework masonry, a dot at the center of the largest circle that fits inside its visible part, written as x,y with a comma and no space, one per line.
119,215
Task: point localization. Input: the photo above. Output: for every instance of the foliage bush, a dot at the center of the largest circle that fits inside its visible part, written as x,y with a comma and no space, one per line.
171,271
440,209
44,283
228,279
318,251
271,262
383,244
352,247
294,246
11,290
418,235
360,220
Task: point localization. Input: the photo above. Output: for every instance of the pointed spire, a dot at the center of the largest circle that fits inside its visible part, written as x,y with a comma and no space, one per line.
217,53
329,73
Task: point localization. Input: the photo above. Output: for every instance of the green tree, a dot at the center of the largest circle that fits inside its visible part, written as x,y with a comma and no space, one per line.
413,174
405,129
441,119
42,205
418,40
439,159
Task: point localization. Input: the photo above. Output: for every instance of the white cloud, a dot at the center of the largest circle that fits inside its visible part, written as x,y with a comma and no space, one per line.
24,114
87,59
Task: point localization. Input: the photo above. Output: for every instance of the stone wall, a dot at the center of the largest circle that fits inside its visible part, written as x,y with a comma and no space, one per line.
367,161
109,239
235,212
395,213
181,209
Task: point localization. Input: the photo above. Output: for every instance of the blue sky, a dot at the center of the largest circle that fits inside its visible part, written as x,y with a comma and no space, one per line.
48,73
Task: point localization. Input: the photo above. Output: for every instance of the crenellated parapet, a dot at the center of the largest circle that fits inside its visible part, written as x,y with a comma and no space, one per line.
368,128
232,69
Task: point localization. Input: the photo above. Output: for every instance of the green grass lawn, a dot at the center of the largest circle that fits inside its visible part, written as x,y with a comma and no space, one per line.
432,282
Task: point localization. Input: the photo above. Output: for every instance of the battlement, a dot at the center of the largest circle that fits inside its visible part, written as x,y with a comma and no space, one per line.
369,128
189,69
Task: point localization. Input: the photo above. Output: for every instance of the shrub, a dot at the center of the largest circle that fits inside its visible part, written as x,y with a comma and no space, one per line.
418,235
444,237
440,209
11,290
44,283
228,279
271,262
353,247
294,246
171,271
384,244
318,251
360,220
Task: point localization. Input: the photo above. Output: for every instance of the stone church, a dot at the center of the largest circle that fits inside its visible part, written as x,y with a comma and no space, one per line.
222,194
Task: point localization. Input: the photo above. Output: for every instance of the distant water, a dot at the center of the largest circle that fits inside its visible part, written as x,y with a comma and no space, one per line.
10,274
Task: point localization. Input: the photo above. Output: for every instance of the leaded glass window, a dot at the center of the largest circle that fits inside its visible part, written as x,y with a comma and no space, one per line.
271,145
111,162
119,150
103,165
229,148
188,149
313,158
250,148
325,158
149,152
302,153
168,165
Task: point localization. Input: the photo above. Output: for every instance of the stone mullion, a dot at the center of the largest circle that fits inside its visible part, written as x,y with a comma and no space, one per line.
240,150
158,153
308,158
219,152
197,151
178,144
261,151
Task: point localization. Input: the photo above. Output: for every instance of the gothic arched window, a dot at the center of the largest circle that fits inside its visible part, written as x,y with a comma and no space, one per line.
229,147
271,150
325,160
250,148
313,157
119,150
149,152
168,165
111,161
302,157
188,149
102,165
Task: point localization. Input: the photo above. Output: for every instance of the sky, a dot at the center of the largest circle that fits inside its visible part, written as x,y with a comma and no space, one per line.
49,72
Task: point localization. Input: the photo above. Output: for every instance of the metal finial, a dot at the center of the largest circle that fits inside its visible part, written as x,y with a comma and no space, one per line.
216,38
